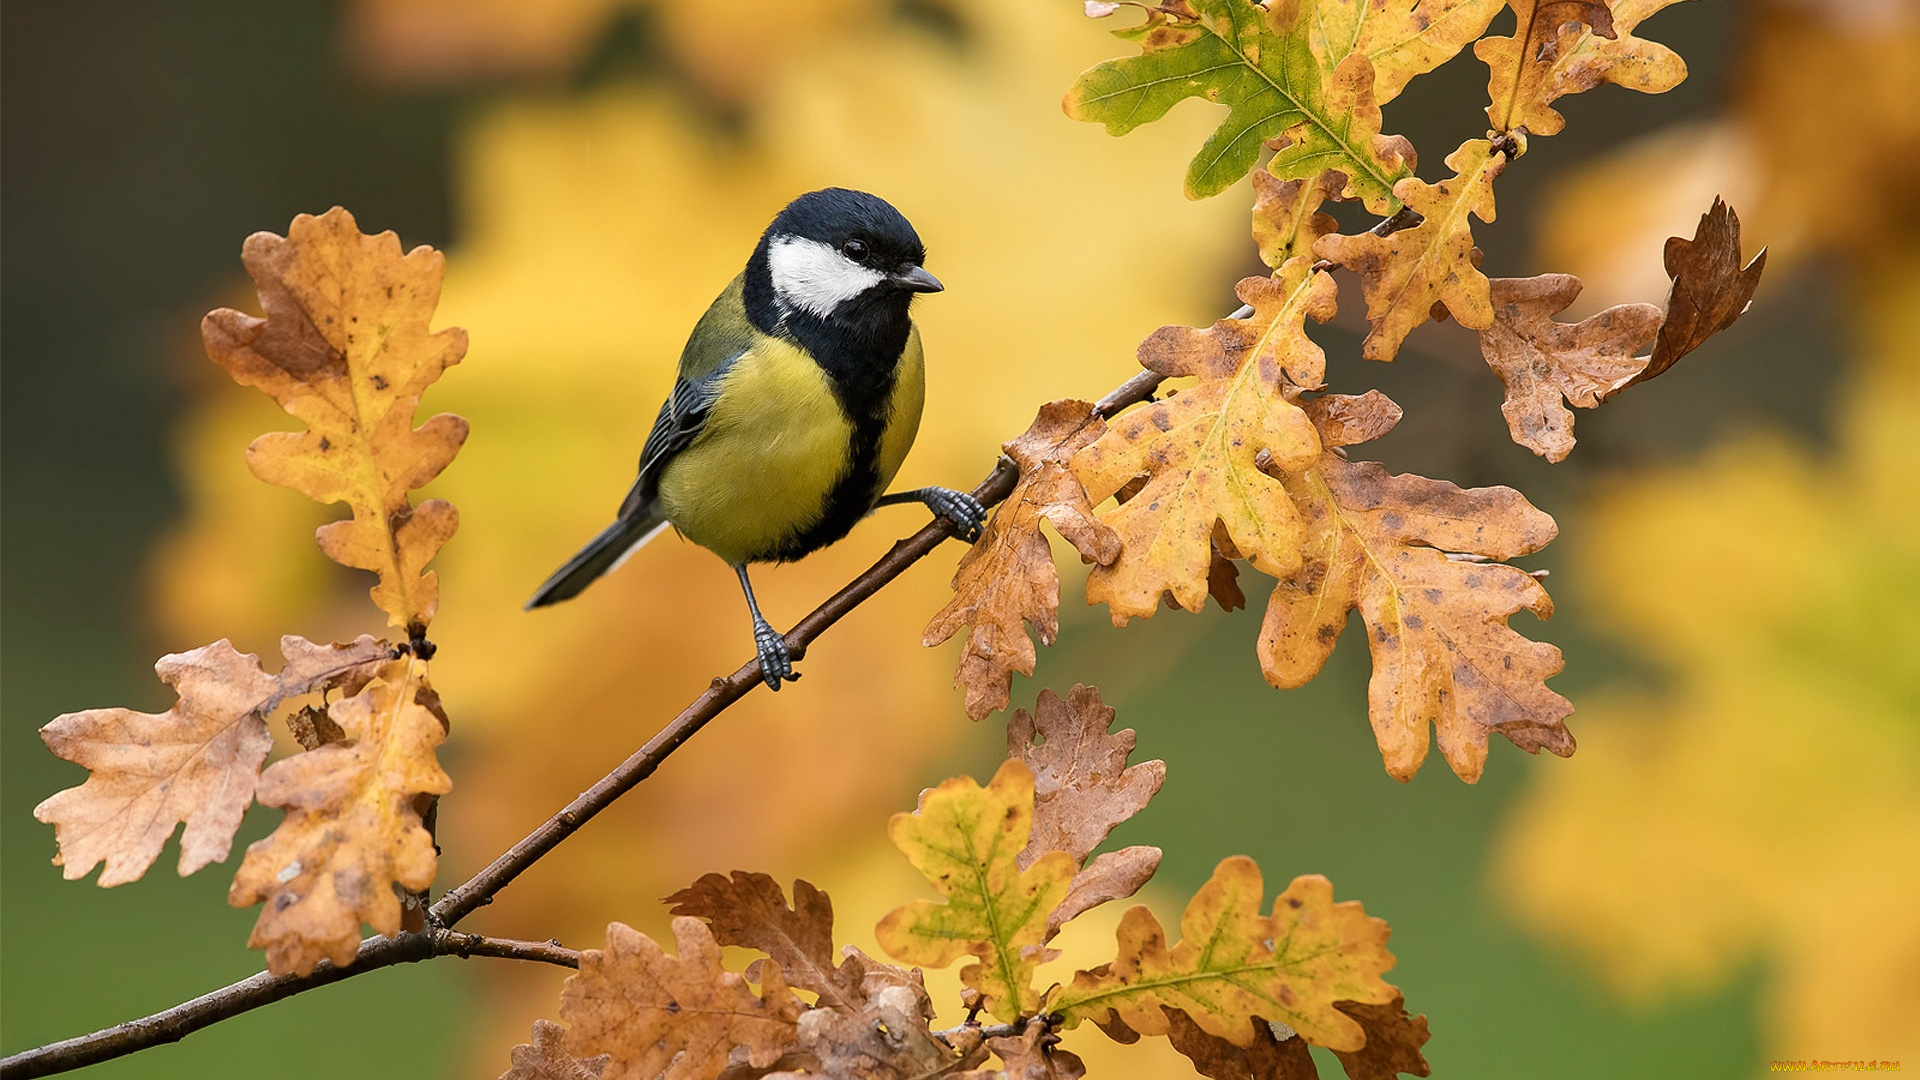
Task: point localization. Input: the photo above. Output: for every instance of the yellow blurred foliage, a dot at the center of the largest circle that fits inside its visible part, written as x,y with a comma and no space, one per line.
595,229
1765,805
1607,222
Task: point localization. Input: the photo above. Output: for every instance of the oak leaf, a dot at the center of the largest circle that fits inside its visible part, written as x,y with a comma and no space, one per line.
1522,67
1587,48
967,840
681,1017
1007,578
1200,448
1082,784
1269,1057
546,1058
1234,964
749,910
1443,654
1710,287
1286,214
195,764
1541,361
886,1038
1257,61
1394,1039
353,830
1032,1055
1405,273
345,347
1404,39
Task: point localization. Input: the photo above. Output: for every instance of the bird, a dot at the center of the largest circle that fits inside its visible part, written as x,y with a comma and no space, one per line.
798,395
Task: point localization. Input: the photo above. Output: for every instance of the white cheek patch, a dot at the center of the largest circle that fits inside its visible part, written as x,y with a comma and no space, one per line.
815,277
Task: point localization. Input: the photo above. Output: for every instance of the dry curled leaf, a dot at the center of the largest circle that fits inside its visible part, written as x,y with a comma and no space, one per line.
1522,68
1007,578
1541,361
345,347
1286,214
1199,448
546,1058
680,1017
1394,1039
1710,287
967,840
886,1038
1082,784
197,763
1443,654
1109,876
1405,273
1403,38
1032,1055
1270,1057
353,829
1235,966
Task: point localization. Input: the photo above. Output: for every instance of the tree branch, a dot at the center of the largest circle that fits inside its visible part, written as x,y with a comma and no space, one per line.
182,1020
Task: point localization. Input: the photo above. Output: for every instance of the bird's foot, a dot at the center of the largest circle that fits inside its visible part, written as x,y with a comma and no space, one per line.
776,663
962,510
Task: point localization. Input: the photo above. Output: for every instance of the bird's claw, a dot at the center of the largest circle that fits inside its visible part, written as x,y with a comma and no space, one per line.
776,663
964,511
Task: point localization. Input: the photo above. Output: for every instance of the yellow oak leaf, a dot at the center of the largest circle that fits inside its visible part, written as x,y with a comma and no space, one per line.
1405,273
345,347
674,1017
967,840
195,764
1235,966
1404,39
1286,217
1443,654
353,827
1562,47
1007,578
1200,448
1541,362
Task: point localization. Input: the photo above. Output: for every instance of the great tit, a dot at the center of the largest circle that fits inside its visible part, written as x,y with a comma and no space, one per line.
798,396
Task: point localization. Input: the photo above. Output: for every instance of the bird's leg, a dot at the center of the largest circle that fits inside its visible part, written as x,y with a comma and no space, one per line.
959,508
775,663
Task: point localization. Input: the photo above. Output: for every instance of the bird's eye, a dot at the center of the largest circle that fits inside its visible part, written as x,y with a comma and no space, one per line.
855,250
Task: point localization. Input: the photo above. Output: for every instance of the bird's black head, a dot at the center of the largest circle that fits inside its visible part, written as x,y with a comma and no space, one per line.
840,251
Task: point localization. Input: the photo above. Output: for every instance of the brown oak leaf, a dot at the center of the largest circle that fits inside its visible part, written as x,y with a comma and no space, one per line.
1199,448
546,1059
1443,654
1111,875
1082,784
1394,1039
1269,1058
345,347
1286,214
1405,273
1541,361
197,763
680,1017
353,826
1007,578
886,1038
750,910
1522,68
1710,288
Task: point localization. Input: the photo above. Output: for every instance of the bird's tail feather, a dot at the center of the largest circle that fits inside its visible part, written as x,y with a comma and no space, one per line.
604,553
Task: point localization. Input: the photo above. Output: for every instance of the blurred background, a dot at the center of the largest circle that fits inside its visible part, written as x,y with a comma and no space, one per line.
1728,870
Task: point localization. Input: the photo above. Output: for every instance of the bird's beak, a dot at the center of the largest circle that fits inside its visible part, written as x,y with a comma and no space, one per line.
915,279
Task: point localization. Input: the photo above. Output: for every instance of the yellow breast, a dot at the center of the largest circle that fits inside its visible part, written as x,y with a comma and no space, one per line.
772,449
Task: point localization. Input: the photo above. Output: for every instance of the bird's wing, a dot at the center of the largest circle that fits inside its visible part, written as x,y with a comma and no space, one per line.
722,336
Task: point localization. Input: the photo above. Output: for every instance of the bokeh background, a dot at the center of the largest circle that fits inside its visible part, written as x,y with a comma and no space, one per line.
1728,871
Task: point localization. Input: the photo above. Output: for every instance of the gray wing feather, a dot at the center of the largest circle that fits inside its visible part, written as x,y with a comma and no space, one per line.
682,417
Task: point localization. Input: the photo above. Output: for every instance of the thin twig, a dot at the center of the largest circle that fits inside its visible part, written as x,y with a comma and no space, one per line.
174,1024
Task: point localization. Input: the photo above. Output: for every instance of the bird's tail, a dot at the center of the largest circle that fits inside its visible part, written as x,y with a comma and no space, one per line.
602,554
